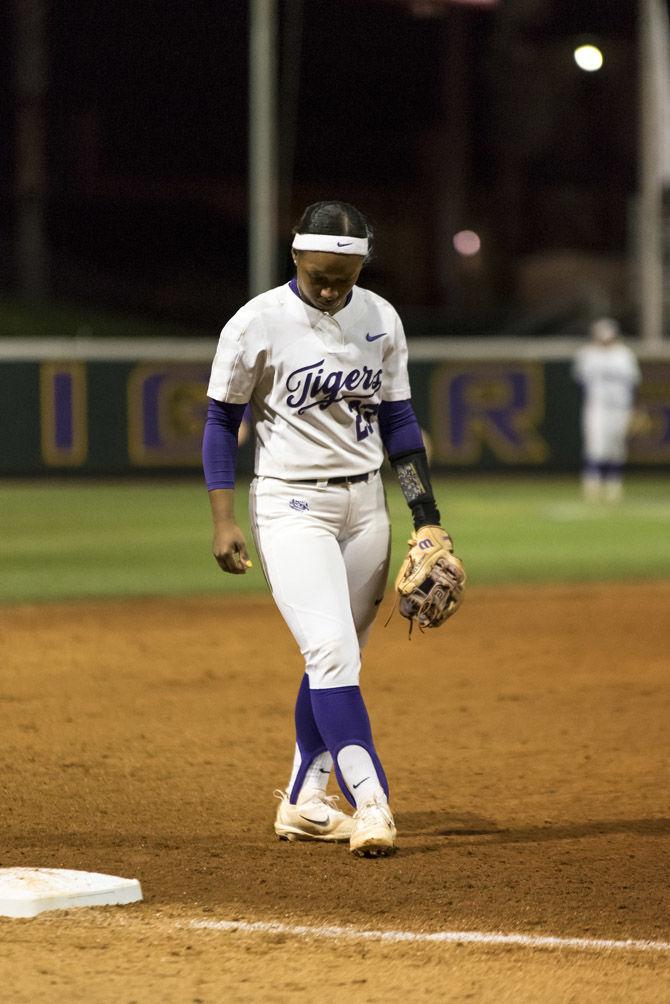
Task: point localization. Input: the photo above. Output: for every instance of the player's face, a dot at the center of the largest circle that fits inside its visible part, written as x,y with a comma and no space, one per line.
325,279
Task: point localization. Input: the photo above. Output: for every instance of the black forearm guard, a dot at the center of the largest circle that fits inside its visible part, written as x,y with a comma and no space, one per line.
414,477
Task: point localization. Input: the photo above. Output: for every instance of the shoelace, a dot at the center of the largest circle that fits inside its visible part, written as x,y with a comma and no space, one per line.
321,797
330,800
370,809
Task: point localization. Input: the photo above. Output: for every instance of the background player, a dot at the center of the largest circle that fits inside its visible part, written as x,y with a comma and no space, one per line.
608,373
324,364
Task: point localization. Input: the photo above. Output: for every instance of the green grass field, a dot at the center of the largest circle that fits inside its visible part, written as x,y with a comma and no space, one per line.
61,539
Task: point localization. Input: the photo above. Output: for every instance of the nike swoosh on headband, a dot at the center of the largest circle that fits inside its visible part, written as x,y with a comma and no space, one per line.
344,244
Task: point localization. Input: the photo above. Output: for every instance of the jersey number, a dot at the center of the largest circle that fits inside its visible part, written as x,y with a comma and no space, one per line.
364,414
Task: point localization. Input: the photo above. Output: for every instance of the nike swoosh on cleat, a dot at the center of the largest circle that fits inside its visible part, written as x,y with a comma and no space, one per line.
373,338
361,782
316,822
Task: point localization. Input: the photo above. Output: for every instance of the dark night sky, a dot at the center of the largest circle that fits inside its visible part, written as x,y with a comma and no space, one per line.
477,117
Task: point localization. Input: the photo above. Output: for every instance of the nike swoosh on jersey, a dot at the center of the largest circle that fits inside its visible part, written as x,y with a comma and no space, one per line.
373,338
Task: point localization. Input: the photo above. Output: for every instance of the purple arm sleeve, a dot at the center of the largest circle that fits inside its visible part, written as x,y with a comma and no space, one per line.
399,428
219,443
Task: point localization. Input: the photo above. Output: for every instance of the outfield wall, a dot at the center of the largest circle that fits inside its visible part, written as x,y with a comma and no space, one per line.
92,406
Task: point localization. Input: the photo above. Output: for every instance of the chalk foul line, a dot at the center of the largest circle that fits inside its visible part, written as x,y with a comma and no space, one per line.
451,937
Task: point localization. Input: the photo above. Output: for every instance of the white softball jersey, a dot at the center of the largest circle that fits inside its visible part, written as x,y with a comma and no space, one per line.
609,375
315,382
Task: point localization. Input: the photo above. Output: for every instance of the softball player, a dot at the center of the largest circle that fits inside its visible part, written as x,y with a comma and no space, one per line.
608,373
323,363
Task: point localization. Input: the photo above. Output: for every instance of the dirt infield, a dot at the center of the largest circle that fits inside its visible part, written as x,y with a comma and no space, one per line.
527,747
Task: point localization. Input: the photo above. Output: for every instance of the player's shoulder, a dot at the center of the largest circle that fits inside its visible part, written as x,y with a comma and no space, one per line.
271,299
370,302
252,313
368,296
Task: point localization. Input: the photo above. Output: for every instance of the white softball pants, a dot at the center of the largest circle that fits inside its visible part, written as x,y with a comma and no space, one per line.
605,432
325,553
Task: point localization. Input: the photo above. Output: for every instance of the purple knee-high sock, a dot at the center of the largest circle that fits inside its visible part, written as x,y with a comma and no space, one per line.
342,719
307,736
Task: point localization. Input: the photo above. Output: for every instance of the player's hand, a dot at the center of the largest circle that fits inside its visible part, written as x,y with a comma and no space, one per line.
230,549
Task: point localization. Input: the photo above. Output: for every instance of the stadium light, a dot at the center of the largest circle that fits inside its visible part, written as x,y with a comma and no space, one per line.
467,243
588,57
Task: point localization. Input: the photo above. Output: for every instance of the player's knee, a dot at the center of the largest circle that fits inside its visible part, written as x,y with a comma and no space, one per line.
334,663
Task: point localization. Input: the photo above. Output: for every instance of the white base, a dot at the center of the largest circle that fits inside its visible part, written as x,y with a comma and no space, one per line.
25,892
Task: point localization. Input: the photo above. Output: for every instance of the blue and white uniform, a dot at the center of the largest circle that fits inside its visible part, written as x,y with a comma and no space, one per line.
328,394
609,373
316,384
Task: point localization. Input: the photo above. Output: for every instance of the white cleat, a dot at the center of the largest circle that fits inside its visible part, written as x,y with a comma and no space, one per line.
317,818
374,830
